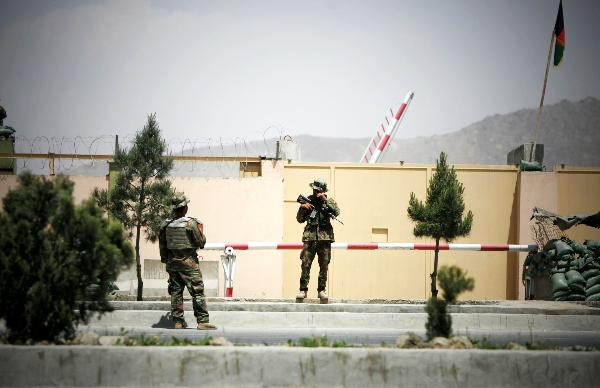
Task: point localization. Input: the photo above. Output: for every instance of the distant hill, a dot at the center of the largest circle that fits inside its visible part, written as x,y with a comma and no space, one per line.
570,132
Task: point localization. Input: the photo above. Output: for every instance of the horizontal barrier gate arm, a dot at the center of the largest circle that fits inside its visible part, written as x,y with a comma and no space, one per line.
228,257
375,246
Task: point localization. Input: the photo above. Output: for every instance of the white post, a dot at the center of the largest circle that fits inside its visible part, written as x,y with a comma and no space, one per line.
228,262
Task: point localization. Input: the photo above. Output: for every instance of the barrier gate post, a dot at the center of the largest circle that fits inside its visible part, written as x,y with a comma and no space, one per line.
228,261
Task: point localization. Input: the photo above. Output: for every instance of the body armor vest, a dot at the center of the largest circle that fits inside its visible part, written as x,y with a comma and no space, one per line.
177,236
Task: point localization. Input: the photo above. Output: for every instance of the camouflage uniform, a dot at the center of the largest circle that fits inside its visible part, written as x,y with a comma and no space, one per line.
317,238
178,241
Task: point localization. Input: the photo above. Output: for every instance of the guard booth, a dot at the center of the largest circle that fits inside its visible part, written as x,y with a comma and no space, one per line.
7,146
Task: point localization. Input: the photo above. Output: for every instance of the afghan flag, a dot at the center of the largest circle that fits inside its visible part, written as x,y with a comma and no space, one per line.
559,33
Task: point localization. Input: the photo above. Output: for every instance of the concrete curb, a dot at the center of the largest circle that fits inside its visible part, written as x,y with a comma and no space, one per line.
517,307
266,320
281,366
354,336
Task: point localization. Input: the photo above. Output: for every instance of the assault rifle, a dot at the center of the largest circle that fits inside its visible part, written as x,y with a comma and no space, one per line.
317,207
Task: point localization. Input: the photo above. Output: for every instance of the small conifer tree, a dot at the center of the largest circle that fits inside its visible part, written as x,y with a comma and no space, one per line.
58,261
441,216
453,281
141,196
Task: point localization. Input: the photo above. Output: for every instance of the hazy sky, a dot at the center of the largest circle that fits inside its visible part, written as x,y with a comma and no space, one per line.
232,69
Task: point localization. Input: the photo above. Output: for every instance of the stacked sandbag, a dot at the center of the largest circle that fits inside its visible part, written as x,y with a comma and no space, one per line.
590,269
577,285
560,286
574,268
564,256
592,245
592,287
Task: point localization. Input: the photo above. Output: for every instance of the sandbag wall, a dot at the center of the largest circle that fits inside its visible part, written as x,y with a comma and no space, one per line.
574,268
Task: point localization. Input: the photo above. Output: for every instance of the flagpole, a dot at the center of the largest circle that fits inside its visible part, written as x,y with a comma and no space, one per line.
539,113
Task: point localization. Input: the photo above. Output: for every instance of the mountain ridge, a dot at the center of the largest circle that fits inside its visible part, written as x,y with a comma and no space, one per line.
487,141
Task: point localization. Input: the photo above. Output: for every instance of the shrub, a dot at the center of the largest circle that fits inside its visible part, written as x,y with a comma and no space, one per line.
57,260
453,281
439,322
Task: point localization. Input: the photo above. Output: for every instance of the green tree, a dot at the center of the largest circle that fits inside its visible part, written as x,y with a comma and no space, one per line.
453,281
141,196
441,216
58,261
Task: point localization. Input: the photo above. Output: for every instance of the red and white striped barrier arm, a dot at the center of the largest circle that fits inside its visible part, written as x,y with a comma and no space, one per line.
381,140
372,146
375,246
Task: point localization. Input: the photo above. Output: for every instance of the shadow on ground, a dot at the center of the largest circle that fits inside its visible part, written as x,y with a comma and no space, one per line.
165,322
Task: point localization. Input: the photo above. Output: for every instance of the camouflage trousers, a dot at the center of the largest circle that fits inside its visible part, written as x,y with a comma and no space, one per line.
311,248
192,280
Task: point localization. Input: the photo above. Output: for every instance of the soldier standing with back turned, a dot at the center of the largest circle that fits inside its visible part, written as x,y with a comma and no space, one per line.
317,237
179,238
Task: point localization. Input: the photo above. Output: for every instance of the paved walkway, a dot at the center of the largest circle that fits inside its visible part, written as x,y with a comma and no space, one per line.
361,322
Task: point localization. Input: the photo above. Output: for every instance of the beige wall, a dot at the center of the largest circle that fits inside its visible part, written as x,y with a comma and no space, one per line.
376,197
579,193
491,193
239,210
372,198
566,191
83,188
536,189
232,210
369,198
7,182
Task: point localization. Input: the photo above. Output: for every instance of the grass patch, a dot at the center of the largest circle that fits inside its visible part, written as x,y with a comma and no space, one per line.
537,345
314,342
317,342
339,344
142,340
484,343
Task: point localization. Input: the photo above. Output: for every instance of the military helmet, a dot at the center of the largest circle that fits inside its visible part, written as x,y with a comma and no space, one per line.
2,113
179,201
319,185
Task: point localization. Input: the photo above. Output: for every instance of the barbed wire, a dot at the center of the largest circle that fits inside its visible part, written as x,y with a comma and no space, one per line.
239,147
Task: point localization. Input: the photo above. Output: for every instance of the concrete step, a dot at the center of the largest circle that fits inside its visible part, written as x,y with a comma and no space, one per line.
312,305
327,319
354,336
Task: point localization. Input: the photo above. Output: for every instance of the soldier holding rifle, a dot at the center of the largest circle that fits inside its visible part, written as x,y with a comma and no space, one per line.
316,210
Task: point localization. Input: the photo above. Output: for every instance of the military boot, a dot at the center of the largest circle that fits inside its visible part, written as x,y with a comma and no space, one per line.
300,297
206,326
323,297
180,325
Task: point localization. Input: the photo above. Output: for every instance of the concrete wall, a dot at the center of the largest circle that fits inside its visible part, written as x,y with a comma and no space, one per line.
6,183
281,366
83,188
232,209
237,210
566,191
373,200
579,193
